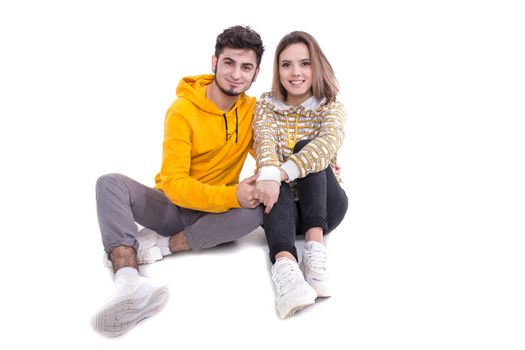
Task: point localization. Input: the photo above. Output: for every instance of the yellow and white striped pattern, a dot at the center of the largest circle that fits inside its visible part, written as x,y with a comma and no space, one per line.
276,130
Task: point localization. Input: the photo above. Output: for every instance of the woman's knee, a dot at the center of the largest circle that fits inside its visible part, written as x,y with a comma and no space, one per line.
285,191
337,213
299,145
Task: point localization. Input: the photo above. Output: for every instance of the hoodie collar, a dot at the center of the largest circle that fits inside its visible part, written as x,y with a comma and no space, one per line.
194,89
309,105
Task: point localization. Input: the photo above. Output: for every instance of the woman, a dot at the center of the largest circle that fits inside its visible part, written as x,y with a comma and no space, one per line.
298,129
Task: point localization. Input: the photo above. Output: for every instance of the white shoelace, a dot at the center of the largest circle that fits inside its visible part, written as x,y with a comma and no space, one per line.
284,276
316,260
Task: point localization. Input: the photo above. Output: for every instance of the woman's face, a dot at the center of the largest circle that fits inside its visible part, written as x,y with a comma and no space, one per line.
295,73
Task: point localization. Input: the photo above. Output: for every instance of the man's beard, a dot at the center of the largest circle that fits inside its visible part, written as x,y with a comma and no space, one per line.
224,91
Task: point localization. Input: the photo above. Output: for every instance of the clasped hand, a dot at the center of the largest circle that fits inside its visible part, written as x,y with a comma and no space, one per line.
250,193
267,192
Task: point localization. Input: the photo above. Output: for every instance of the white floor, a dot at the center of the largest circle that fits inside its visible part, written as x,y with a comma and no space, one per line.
403,284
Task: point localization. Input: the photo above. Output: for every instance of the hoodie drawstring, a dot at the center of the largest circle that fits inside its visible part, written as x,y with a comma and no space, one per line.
226,125
236,125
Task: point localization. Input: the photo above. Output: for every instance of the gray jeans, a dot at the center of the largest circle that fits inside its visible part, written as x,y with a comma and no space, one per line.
122,202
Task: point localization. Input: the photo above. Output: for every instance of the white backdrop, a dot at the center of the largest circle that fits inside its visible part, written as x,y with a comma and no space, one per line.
431,253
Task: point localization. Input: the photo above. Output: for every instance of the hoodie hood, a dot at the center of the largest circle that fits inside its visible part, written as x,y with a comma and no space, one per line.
193,89
312,104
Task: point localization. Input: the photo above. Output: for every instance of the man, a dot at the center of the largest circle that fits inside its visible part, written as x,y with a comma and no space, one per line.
197,201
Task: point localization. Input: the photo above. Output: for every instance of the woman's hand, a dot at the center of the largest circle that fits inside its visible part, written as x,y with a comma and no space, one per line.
337,170
267,192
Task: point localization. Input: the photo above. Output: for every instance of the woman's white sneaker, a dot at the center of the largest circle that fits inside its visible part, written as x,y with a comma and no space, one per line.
293,293
314,267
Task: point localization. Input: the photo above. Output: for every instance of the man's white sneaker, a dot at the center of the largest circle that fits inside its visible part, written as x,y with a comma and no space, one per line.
293,293
313,266
148,252
135,299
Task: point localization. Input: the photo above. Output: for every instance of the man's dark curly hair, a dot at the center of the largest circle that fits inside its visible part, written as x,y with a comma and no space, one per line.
240,37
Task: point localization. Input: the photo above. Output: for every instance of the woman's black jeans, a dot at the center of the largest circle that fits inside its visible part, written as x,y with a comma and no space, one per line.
322,203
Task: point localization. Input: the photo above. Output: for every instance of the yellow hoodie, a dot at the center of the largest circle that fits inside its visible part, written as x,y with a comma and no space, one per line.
204,148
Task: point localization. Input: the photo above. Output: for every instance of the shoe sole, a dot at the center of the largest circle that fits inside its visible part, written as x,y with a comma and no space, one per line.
119,317
323,293
306,300
295,309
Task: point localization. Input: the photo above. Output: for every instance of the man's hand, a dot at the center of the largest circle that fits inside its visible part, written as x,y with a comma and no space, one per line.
245,192
267,191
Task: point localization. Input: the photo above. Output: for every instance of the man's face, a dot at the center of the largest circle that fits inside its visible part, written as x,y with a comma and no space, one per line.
235,70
